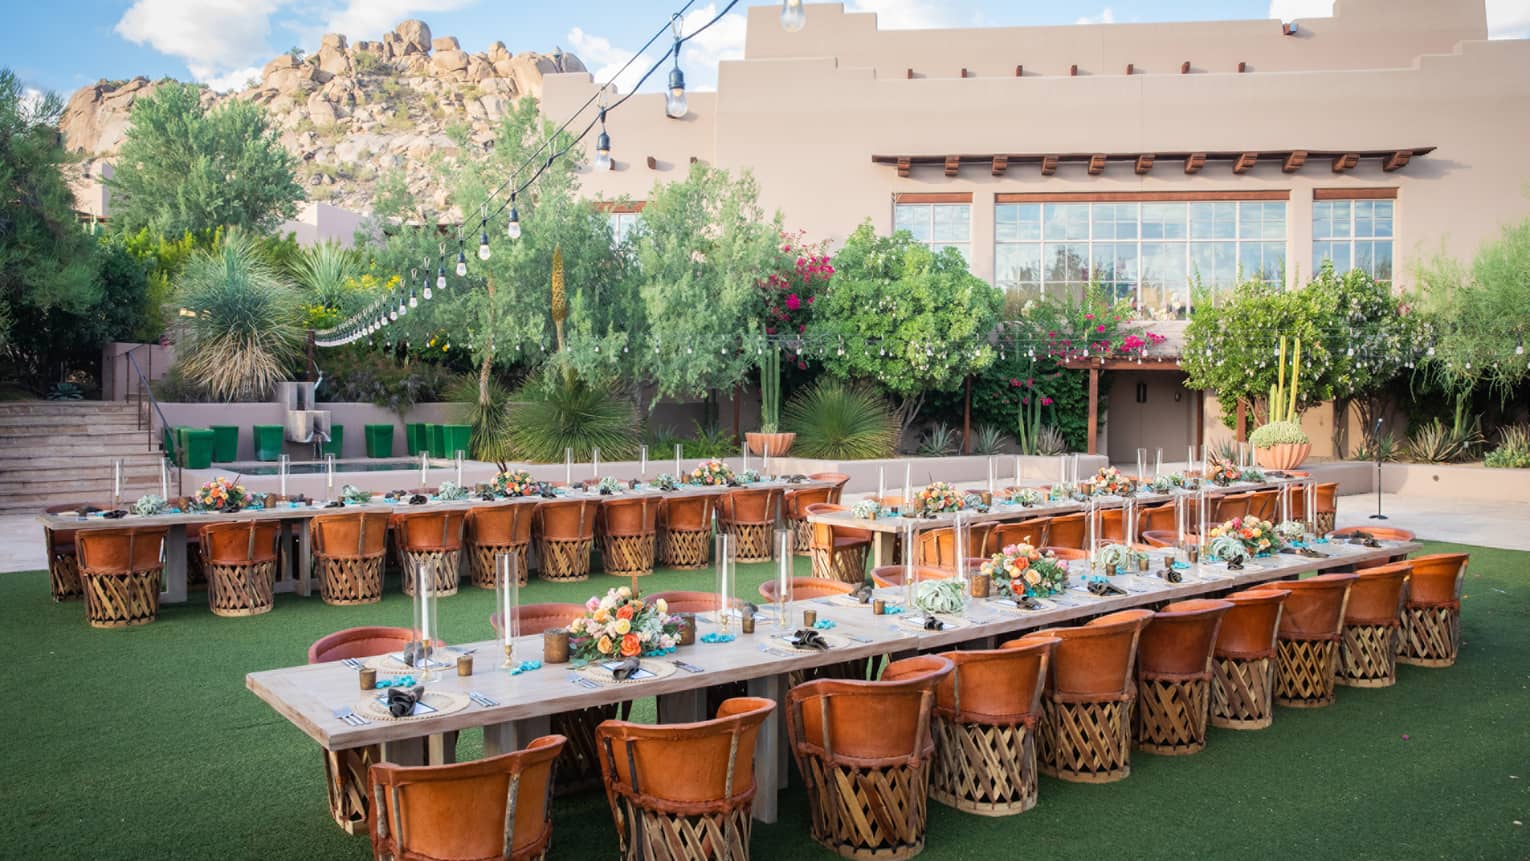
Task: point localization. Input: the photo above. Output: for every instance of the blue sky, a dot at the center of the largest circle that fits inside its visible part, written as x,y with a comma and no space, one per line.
66,44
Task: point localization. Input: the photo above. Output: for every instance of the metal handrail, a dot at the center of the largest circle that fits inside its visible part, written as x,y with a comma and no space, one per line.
146,390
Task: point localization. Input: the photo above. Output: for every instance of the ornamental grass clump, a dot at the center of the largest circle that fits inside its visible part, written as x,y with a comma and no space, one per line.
839,421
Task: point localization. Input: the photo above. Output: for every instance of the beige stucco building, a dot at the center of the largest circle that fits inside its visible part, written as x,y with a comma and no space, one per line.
1149,154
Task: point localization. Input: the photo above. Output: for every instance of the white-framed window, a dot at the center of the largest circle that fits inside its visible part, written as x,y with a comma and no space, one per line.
937,225
1149,251
1354,234
622,225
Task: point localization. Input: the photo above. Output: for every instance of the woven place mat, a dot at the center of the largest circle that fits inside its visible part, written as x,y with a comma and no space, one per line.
392,664
915,619
847,601
835,641
1007,604
444,703
600,675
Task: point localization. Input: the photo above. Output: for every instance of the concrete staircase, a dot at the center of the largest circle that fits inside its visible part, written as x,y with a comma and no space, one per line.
54,452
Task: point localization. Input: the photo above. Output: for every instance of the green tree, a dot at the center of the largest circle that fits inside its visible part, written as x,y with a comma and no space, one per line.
183,168
911,320
1479,318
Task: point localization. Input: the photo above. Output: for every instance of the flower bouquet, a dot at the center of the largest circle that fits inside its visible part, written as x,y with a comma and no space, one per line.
1223,474
1290,531
622,626
221,494
1021,570
1110,482
866,509
1025,496
749,476
711,473
451,490
1258,537
665,481
1117,558
355,495
517,482
608,486
939,497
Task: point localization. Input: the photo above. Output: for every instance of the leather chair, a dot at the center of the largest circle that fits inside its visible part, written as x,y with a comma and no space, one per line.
749,515
1067,554
121,570
433,540
1264,504
1086,729
1372,621
986,712
565,532
1111,525
1225,508
240,561
867,779
349,548
1174,676
682,601
1068,530
628,528
684,791
1157,518
797,502
840,479
687,524
1431,617
1308,643
838,553
887,576
494,530
1243,665
1032,532
499,807
1380,533
63,560
806,589
1160,537
1326,507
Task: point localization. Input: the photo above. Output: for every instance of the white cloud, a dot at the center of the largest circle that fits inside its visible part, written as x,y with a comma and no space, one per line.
212,36
1290,10
31,99
369,19
699,55
235,79
1506,19
604,59
906,14
1106,16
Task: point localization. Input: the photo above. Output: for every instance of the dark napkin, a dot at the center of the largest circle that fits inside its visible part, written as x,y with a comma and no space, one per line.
115,514
933,624
401,702
486,496
751,609
548,492
1102,587
1312,554
418,499
807,638
414,654
334,503
1026,602
862,593
1172,574
625,669
1235,565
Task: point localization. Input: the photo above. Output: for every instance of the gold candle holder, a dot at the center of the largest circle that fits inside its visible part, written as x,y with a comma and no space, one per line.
980,584
809,618
1143,562
555,646
878,607
687,630
464,665
367,676
747,623
1193,553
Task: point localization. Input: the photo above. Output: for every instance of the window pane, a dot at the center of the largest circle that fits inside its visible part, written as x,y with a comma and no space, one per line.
913,217
1341,219
1274,222
1322,220
1382,215
1274,261
1126,221
953,222
1364,259
1017,264
1163,221
1363,219
1066,262
1067,221
1104,221
964,248
1006,222
1383,254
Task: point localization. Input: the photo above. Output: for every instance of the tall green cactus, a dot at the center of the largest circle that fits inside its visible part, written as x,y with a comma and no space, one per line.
770,390
1282,399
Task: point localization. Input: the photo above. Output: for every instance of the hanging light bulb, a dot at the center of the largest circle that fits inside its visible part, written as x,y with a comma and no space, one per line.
461,261
513,227
441,269
603,144
393,314
413,302
483,245
1519,349
674,101
793,18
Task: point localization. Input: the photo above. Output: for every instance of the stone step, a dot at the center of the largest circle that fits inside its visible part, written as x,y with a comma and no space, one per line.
67,408
133,468
41,438
139,460
24,422
71,486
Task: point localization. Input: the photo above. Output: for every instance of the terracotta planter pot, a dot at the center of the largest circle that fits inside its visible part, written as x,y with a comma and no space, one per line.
780,443
1283,456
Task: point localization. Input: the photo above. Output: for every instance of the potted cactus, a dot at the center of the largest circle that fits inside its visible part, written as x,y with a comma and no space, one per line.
1280,443
769,437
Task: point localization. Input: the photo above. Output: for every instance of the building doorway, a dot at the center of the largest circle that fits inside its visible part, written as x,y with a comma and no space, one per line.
1151,410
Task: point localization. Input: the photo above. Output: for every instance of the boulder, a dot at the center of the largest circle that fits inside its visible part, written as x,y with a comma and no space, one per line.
415,35
332,56
322,111
450,62
497,52
479,68
445,43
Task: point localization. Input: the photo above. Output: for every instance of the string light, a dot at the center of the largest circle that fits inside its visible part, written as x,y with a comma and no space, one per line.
513,226
461,260
793,18
674,102
441,268
603,144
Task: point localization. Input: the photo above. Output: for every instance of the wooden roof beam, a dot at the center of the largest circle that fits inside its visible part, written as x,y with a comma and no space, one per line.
1145,163
1194,162
1294,161
1000,164
1019,71
953,164
1397,160
1184,68
1097,164
1073,70
903,166
1048,165
1345,161
1245,162
1130,67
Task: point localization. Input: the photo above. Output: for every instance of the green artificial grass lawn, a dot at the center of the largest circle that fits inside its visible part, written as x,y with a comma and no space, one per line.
144,743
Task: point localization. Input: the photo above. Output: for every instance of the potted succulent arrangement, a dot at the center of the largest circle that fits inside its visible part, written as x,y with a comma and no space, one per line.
770,438
1280,443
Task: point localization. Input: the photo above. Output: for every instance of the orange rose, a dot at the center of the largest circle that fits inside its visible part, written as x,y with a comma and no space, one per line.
1021,563
624,613
604,645
630,645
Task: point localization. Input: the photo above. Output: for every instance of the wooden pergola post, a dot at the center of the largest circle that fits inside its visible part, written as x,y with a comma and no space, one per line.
967,420
1242,429
1094,409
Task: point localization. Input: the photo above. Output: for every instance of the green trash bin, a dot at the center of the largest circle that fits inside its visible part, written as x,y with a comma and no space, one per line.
336,442
415,438
225,443
379,440
459,437
268,442
168,435
437,435
197,443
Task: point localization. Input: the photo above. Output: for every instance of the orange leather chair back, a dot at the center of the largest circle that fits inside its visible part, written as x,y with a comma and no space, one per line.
630,516
937,548
1327,496
1380,533
806,589
1095,660
536,618
1067,554
1111,528
1375,598
1157,518
1227,507
462,811
892,575
674,766
567,520
1248,629
1067,530
798,500
996,686
690,602
1160,537
358,643
430,530
687,513
1024,532
1264,504
840,479
824,533
1315,608
499,525
828,717
752,505
350,535
240,543
121,551
1177,642
1436,579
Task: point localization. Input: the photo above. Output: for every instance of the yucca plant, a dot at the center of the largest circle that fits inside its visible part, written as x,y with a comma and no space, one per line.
1434,443
839,421
1381,447
989,440
239,332
1050,441
939,441
1513,450
490,419
324,270
555,411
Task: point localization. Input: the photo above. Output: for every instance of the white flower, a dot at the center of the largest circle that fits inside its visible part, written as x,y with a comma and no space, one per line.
662,606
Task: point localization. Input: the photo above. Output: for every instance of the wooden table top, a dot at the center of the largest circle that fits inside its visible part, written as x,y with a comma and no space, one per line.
308,695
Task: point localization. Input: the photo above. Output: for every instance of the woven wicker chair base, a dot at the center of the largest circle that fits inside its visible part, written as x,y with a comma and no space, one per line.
685,549
579,763
1368,656
565,561
482,559
64,576
802,536
121,600
873,814
1325,521
1242,693
1171,716
196,574
1304,673
1086,742
443,576
1431,636
849,565
343,582
345,777
241,590
655,835
982,769
627,555
751,541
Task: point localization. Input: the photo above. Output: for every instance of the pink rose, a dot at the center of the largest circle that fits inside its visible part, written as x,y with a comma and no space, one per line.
1046,401
793,302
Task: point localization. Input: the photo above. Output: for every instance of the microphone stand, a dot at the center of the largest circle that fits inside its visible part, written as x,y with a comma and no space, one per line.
1376,438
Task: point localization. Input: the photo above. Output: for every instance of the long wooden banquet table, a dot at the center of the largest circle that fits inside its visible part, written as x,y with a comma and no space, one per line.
310,695
297,564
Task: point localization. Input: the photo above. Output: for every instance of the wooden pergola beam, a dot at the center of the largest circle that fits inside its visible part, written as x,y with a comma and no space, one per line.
1194,162
1294,161
1097,164
1000,164
1019,71
903,166
1397,160
1145,163
953,164
1184,68
1245,162
1048,165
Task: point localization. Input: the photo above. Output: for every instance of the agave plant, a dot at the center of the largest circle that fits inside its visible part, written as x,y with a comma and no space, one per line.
1050,441
240,332
989,440
839,421
323,271
939,441
556,411
1513,450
